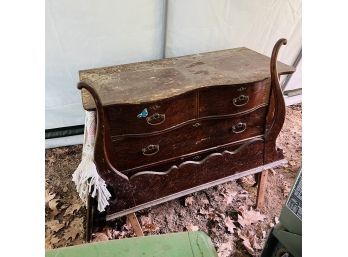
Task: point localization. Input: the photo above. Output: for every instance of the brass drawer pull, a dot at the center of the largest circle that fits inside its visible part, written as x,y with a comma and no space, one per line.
150,150
156,119
196,125
239,128
240,100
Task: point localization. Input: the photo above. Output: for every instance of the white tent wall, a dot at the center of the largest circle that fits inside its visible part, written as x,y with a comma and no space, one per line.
86,34
296,78
206,25
295,83
83,34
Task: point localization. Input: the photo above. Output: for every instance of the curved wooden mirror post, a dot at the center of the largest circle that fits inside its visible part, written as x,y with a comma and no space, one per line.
274,123
102,162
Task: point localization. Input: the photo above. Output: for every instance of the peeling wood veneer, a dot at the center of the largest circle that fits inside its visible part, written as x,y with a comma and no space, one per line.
160,79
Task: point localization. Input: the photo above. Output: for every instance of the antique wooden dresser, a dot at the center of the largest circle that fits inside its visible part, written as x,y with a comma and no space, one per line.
170,127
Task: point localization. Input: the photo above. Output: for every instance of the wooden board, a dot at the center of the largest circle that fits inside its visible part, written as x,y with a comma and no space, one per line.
134,222
261,189
155,80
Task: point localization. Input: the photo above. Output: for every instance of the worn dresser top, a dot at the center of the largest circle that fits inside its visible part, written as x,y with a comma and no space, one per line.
155,80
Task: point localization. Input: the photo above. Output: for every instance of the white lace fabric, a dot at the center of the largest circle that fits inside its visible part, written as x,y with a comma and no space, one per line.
86,176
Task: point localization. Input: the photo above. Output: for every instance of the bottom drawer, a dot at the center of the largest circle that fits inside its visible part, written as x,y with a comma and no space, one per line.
190,173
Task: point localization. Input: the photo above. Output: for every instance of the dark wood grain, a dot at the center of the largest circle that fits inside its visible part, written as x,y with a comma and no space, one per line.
190,138
194,175
123,118
276,111
238,98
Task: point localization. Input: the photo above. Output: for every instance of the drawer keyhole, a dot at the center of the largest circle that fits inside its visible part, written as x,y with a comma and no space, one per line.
239,128
150,150
196,158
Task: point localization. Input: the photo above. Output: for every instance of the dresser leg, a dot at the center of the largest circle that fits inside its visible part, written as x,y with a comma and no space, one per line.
261,189
90,218
257,178
134,222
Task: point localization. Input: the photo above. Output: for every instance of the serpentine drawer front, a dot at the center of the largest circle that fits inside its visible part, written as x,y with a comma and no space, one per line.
191,174
151,117
133,151
170,127
233,99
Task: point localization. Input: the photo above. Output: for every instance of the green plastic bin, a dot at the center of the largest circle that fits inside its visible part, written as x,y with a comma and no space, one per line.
184,244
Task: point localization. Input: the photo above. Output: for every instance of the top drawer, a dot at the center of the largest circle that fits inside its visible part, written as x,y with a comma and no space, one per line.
229,99
146,118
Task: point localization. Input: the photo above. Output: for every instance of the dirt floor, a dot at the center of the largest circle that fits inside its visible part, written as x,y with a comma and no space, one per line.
224,212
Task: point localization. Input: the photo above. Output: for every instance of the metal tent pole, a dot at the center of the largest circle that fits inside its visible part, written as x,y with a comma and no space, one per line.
165,20
287,79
